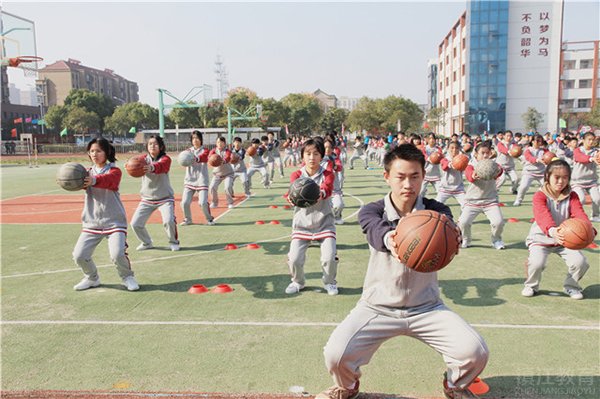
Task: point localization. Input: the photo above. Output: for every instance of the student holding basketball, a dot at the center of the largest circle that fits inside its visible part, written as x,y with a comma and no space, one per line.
157,193
332,163
257,164
239,167
482,196
533,168
506,161
196,180
586,159
314,223
554,203
451,184
222,172
103,217
397,300
432,170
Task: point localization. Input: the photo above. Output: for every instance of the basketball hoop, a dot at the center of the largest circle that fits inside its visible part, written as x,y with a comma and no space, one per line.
28,63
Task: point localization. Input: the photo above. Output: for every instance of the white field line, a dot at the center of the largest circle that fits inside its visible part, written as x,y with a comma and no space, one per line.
158,259
40,213
31,195
264,324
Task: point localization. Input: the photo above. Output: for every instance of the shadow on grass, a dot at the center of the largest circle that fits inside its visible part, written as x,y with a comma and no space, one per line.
263,287
544,386
486,288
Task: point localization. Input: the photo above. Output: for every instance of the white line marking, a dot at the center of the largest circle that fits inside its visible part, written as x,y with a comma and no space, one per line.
41,213
31,195
261,324
158,259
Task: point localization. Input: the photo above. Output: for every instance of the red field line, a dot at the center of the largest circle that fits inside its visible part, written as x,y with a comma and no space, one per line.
48,209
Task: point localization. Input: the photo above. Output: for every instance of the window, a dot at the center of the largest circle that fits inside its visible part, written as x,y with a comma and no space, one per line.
585,83
446,103
569,64
463,70
462,96
454,99
441,65
454,52
583,103
566,104
447,81
447,59
441,86
464,43
586,64
454,76
568,84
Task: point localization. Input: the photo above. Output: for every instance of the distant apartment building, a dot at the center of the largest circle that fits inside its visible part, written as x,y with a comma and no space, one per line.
579,84
327,101
348,103
432,81
500,58
55,82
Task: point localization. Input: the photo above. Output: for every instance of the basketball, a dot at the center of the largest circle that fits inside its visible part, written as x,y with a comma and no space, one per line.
578,233
235,158
460,162
493,154
435,158
251,151
487,169
304,192
185,158
70,176
285,144
215,160
467,147
427,241
135,166
548,157
515,151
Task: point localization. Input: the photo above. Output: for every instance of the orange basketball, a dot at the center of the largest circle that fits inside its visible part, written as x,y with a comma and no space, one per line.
578,233
467,147
493,154
215,160
285,144
427,240
515,151
435,158
548,157
235,158
251,151
135,166
460,162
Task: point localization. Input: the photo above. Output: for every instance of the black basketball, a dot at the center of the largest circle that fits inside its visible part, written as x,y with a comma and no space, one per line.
304,192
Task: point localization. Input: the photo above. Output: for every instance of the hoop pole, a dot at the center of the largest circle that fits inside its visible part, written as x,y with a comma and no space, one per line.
35,153
229,132
28,140
161,116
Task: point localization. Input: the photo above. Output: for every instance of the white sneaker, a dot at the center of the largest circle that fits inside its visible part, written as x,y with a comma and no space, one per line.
528,292
213,205
331,289
517,203
86,283
465,243
574,293
143,247
174,247
130,283
339,221
230,206
210,223
185,223
498,244
595,219
293,288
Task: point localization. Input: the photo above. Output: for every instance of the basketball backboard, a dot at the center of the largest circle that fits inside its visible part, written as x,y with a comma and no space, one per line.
17,39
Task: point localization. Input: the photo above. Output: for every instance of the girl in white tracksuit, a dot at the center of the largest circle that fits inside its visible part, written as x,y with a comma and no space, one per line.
451,183
196,180
314,223
432,171
533,169
222,173
239,168
507,162
585,175
332,163
103,217
553,204
157,193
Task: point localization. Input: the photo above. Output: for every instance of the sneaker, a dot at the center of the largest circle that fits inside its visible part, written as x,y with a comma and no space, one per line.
517,203
498,244
230,206
336,392
293,288
86,283
130,283
515,192
331,289
282,176
213,205
339,221
465,243
186,223
211,223
595,219
174,247
457,393
143,247
574,293
528,292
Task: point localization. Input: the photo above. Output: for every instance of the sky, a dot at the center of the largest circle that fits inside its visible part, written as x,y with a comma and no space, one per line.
273,48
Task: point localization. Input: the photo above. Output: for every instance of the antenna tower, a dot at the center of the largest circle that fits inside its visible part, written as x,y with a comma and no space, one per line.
222,79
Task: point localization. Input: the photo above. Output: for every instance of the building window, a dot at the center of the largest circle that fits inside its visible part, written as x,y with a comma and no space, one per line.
447,81
570,64
441,65
447,59
586,64
454,99
583,103
441,86
463,70
441,104
462,96
454,52
566,104
454,76
568,84
446,103
585,83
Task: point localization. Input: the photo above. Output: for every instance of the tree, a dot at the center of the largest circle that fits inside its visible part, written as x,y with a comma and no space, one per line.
333,119
186,117
55,117
80,120
364,116
212,114
593,117
130,115
274,113
382,115
304,112
532,119
437,117
91,101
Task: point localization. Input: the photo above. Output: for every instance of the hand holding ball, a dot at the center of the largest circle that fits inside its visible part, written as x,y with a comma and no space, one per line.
135,166
71,176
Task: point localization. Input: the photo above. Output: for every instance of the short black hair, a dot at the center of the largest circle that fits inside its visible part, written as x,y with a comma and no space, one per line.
407,152
221,138
161,145
255,141
106,146
238,139
318,144
264,138
198,134
484,144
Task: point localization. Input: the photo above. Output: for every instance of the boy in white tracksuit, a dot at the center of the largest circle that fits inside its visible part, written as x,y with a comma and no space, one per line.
257,164
239,168
397,300
359,153
222,173
533,168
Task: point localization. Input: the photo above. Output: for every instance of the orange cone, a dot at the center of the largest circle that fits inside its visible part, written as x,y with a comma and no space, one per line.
479,387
